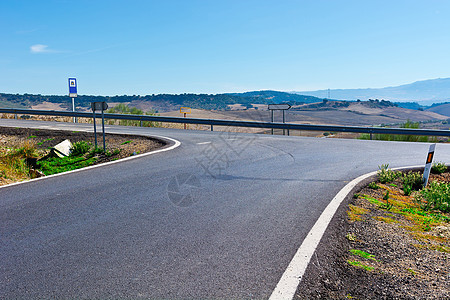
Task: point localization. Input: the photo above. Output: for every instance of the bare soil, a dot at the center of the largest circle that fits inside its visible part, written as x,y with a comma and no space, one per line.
44,139
408,262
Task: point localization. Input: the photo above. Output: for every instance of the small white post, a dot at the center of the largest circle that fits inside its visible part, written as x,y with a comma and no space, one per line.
426,171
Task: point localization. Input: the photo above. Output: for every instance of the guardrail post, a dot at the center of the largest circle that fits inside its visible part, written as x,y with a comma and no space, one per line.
15,116
140,122
212,127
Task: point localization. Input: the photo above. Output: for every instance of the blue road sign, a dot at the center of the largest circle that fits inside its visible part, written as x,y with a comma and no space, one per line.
72,87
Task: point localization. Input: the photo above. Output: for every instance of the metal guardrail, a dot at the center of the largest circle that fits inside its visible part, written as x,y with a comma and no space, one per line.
251,124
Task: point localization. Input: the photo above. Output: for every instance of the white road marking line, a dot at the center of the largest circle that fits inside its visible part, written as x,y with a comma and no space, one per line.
203,143
177,143
287,286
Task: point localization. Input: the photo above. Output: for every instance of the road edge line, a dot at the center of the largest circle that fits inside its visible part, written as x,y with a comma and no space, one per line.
175,145
289,281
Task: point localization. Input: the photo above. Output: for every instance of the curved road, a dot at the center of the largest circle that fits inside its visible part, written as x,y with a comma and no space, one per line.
221,216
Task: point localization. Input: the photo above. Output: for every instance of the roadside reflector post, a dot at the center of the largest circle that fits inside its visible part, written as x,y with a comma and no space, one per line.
427,170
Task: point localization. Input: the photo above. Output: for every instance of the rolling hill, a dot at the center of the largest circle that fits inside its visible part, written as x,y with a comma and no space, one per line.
442,109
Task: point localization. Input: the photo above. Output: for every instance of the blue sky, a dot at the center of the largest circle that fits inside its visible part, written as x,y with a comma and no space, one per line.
151,47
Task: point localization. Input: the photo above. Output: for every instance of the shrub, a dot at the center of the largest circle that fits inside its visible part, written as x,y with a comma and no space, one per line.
80,148
386,175
435,197
438,168
373,186
412,181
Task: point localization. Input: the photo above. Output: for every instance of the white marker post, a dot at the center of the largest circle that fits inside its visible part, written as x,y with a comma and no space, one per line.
73,94
427,170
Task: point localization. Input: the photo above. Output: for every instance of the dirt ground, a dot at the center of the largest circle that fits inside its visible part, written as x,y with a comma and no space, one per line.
44,139
406,262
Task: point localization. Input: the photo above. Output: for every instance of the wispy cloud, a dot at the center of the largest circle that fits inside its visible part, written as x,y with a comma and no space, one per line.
39,48
27,31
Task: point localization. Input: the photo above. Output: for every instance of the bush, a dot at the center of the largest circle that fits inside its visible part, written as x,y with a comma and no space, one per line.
80,148
438,168
412,181
386,175
373,186
435,197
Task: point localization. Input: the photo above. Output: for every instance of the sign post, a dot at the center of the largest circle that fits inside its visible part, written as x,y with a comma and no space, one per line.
185,110
426,171
99,106
282,107
73,94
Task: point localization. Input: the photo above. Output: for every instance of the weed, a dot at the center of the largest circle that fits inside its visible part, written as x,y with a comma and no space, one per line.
374,186
435,196
359,264
362,254
386,175
126,142
412,271
31,137
356,196
351,237
387,205
393,185
40,143
438,168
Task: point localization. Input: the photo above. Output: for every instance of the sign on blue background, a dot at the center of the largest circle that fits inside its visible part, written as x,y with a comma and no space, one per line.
72,87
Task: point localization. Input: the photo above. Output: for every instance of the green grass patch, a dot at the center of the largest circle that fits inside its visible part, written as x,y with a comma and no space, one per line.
58,165
372,200
362,254
359,264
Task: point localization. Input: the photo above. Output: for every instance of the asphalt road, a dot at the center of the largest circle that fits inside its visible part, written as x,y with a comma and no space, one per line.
221,216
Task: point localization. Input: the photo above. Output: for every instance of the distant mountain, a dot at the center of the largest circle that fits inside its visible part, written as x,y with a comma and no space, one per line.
269,96
437,90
